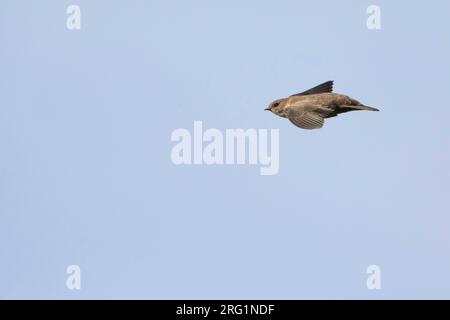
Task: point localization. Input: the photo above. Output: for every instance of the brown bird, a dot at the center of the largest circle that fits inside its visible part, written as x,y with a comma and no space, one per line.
308,109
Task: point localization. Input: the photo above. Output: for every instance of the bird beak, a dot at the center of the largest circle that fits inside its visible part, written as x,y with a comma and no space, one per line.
267,109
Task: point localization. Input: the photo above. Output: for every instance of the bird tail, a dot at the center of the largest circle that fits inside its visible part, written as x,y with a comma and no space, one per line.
363,107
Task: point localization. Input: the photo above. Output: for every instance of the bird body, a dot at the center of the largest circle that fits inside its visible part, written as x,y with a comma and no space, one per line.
308,109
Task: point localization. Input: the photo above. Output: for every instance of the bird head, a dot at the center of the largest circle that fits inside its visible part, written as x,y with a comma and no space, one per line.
276,107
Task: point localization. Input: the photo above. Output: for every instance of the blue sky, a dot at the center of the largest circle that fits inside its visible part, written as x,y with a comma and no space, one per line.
86,176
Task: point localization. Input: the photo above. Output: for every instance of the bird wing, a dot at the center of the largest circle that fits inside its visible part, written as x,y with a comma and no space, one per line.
305,119
321,88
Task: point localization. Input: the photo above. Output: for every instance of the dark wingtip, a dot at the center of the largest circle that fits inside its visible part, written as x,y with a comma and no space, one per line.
321,88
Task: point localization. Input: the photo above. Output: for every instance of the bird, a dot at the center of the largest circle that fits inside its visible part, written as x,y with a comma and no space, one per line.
310,108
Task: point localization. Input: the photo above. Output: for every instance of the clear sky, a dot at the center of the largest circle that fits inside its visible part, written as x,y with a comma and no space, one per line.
86,176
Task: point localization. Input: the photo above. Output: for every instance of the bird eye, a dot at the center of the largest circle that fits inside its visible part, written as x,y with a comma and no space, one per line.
275,104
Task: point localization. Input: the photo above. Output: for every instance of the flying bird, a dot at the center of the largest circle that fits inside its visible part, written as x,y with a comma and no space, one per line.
309,109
